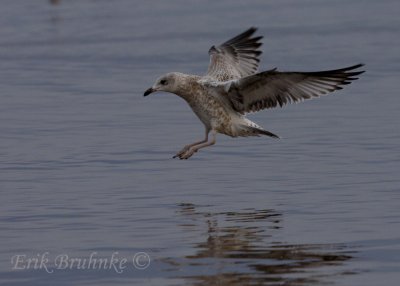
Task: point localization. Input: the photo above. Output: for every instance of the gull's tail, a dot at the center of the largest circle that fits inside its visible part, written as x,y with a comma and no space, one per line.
255,131
250,128
263,132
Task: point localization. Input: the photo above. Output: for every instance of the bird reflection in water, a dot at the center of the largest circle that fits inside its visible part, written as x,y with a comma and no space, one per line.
240,250
54,2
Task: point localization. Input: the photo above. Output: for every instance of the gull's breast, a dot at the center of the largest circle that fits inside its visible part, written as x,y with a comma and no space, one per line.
212,113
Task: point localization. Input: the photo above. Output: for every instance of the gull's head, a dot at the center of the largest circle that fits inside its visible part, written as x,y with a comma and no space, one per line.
167,83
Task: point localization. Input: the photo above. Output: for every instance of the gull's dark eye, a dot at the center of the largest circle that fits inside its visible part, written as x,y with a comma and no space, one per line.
163,81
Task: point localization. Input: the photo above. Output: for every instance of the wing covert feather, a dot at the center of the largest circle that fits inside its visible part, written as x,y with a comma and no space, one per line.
236,58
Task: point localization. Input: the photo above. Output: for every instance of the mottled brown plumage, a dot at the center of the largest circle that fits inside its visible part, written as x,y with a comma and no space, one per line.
232,88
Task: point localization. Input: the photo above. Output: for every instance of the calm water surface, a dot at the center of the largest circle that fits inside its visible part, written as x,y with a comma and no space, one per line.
85,160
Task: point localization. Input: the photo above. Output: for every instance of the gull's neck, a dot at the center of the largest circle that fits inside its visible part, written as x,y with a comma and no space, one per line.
186,85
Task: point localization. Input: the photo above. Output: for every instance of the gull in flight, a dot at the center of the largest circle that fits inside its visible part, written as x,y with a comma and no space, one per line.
232,88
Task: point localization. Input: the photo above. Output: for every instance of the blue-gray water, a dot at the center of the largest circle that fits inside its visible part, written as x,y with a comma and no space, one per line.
85,160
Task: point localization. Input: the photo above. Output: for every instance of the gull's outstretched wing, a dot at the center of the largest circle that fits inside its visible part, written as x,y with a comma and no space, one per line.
236,58
272,88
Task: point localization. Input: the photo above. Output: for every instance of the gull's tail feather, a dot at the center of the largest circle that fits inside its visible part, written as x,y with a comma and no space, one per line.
258,131
265,132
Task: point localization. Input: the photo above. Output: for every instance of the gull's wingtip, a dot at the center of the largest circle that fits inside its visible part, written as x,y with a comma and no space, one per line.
362,65
356,67
249,32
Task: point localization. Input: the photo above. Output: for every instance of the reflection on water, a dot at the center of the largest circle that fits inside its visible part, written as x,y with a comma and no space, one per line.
239,250
54,2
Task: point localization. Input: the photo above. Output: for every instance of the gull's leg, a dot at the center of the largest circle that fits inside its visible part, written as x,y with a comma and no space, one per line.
195,148
187,147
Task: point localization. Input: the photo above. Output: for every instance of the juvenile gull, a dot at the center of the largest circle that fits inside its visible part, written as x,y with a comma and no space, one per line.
232,88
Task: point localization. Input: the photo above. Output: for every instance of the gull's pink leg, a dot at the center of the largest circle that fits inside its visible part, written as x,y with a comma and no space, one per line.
195,148
187,147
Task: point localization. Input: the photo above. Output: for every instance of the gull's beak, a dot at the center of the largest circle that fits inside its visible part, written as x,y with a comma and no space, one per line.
150,90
